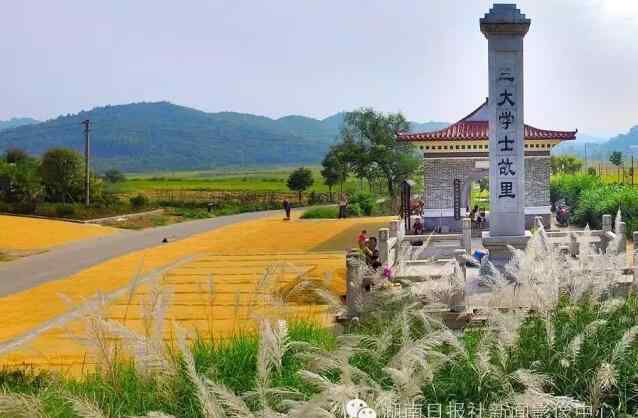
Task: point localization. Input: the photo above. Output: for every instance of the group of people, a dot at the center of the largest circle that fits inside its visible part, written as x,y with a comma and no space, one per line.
368,246
478,216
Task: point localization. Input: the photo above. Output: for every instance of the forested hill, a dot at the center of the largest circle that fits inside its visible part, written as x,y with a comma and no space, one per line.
15,122
164,136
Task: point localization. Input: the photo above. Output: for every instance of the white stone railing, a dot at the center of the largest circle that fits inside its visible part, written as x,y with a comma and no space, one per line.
390,239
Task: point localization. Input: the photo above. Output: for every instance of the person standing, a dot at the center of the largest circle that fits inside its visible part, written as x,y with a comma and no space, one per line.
343,204
287,209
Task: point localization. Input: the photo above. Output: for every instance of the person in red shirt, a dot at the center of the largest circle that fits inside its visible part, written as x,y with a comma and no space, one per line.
362,239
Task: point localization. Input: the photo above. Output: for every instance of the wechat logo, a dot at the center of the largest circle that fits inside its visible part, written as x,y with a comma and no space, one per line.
357,408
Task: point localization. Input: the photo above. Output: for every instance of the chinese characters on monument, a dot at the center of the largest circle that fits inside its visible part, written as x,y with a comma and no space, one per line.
505,130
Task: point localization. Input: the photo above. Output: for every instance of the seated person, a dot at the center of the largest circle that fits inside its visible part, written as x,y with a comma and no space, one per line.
417,227
372,253
480,218
474,213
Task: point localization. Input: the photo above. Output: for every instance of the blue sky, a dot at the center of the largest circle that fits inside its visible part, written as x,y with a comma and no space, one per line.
425,58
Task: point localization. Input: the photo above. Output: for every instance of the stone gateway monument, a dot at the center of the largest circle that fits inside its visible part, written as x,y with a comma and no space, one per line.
493,141
505,28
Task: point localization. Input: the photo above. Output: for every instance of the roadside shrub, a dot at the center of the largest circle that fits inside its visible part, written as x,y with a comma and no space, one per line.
27,208
321,213
570,186
139,201
192,213
607,199
364,203
354,210
64,211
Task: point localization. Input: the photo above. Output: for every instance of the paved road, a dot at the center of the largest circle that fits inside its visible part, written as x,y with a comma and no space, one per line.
69,259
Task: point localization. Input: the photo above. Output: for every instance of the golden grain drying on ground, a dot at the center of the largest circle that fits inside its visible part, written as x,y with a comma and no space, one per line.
32,234
213,280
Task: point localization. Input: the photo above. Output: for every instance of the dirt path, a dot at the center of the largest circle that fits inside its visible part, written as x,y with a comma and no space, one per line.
69,259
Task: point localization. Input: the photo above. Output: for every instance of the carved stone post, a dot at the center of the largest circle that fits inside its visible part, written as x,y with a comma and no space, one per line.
466,241
606,223
573,245
621,238
354,282
394,228
461,257
635,262
604,237
384,248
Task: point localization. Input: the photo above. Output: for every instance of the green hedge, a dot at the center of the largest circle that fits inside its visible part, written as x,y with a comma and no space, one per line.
607,199
590,199
570,186
321,213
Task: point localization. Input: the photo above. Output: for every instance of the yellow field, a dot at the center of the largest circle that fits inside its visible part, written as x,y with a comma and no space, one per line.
231,261
30,234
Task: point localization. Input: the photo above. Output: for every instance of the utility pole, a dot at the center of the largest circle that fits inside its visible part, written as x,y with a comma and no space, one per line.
87,180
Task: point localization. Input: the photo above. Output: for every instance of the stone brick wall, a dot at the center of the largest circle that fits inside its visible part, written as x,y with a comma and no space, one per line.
439,175
537,172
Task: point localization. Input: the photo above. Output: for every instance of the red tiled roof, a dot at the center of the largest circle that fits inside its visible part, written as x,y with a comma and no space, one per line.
475,127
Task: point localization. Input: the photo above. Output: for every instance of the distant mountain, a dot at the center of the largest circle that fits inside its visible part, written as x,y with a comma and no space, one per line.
594,148
165,136
624,142
15,122
427,126
582,147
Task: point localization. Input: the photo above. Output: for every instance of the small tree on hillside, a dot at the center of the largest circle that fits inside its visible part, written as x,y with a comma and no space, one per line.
300,180
616,158
13,155
62,172
114,176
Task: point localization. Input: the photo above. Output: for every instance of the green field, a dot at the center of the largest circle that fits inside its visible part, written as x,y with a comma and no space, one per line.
249,179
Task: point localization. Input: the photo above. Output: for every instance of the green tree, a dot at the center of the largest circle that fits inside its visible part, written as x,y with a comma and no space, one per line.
565,164
333,171
616,158
20,181
300,180
114,176
370,138
13,155
62,172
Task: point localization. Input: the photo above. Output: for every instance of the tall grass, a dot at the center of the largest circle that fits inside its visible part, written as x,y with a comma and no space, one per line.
572,345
